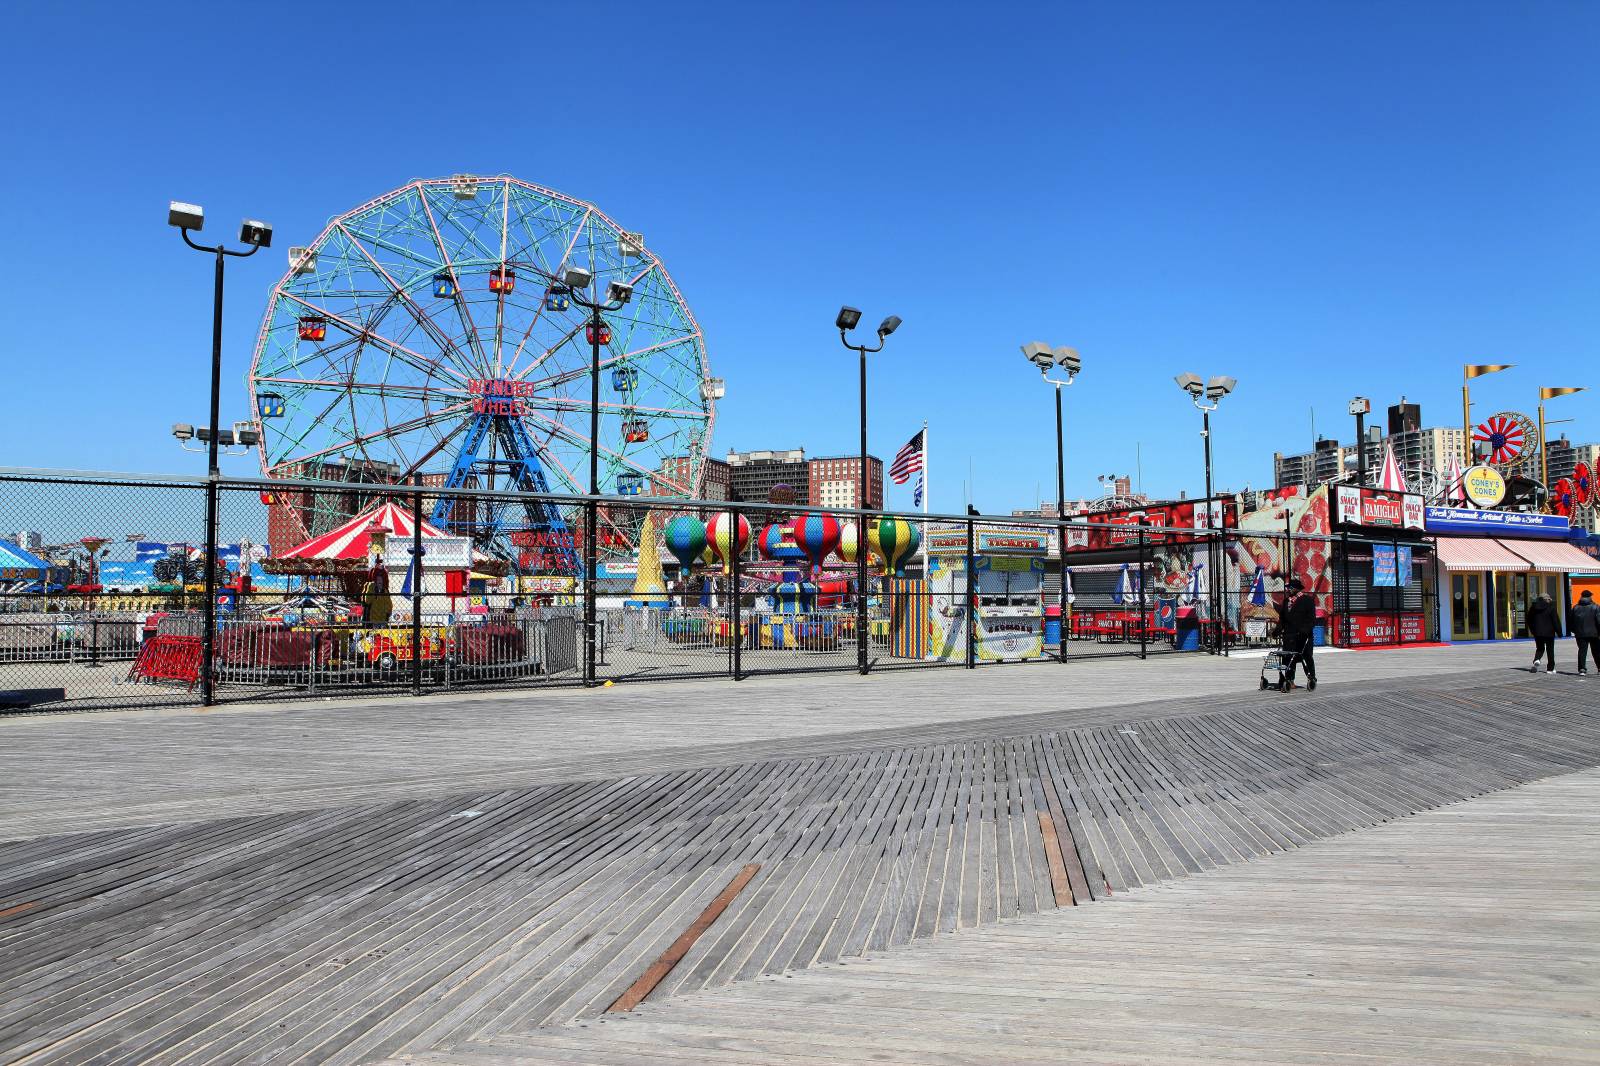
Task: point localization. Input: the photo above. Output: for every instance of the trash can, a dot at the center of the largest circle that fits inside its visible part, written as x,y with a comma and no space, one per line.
1052,623
1187,635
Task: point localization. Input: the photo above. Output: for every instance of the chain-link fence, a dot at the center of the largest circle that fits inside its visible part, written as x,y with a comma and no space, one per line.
321,589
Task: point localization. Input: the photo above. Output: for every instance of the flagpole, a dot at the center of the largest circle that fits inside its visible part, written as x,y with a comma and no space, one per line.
925,487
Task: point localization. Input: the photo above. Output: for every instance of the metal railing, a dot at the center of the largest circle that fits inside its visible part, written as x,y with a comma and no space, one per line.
979,590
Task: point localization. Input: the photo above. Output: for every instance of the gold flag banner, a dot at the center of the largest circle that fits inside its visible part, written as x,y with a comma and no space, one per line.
1479,369
1550,394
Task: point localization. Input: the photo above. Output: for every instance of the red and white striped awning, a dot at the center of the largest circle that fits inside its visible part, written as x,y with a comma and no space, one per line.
1488,553
1553,555
353,539
1477,553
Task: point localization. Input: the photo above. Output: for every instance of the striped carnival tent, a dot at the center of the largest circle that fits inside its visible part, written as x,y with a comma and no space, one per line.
346,549
1390,478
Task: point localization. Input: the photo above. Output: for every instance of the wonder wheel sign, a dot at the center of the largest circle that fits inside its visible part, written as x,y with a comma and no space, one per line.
1505,437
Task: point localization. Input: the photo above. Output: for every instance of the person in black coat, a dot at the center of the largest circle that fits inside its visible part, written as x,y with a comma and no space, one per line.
1584,622
1299,620
1544,626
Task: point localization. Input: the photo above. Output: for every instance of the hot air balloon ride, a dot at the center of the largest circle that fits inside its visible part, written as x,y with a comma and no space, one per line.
686,540
894,541
816,535
728,534
849,540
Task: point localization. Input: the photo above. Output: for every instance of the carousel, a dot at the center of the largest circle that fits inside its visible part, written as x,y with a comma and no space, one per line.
795,595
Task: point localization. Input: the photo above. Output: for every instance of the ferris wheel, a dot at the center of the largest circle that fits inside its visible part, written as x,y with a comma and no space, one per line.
431,332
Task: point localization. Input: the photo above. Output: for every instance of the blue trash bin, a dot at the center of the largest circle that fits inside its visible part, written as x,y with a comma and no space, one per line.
1052,623
1187,636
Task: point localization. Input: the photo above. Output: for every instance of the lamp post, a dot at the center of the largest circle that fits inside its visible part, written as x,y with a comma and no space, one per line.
1547,393
1069,363
617,295
847,320
1468,372
1207,395
257,235
1359,407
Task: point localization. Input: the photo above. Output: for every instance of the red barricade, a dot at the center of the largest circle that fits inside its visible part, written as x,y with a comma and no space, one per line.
168,658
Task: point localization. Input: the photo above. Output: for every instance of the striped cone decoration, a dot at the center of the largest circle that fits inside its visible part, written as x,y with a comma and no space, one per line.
1389,478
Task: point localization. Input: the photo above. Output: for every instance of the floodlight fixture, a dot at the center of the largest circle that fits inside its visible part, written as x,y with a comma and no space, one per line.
849,318
1039,354
255,232
888,326
619,292
1220,386
1068,359
183,431
246,434
575,277
1191,384
186,216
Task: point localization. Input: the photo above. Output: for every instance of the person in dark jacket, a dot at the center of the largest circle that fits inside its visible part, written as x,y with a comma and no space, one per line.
1584,622
1544,626
1299,619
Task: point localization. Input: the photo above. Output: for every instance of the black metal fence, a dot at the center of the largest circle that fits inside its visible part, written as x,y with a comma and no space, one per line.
330,588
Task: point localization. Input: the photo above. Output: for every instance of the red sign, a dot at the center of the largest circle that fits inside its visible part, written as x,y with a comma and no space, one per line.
571,538
1356,506
493,396
1378,627
1110,529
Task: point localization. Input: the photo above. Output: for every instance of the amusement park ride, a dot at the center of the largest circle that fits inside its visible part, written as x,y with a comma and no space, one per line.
438,334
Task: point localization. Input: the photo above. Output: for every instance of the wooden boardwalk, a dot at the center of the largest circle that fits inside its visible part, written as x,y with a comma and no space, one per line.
350,933
72,772
1468,935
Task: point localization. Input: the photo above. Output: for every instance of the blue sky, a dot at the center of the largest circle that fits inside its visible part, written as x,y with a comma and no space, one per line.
1321,200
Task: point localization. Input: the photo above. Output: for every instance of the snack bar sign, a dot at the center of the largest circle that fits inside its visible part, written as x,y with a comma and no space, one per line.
1385,510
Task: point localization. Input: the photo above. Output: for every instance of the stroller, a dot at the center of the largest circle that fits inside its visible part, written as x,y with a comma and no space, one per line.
1275,669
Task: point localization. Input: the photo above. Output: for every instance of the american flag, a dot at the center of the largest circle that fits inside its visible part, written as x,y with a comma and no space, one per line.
908,461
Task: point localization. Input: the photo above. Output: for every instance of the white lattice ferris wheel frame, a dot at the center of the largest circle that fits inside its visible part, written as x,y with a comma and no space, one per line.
371,277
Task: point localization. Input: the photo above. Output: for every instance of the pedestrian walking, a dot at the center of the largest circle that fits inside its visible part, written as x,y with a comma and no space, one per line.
1584,621
1299,621
1544,626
